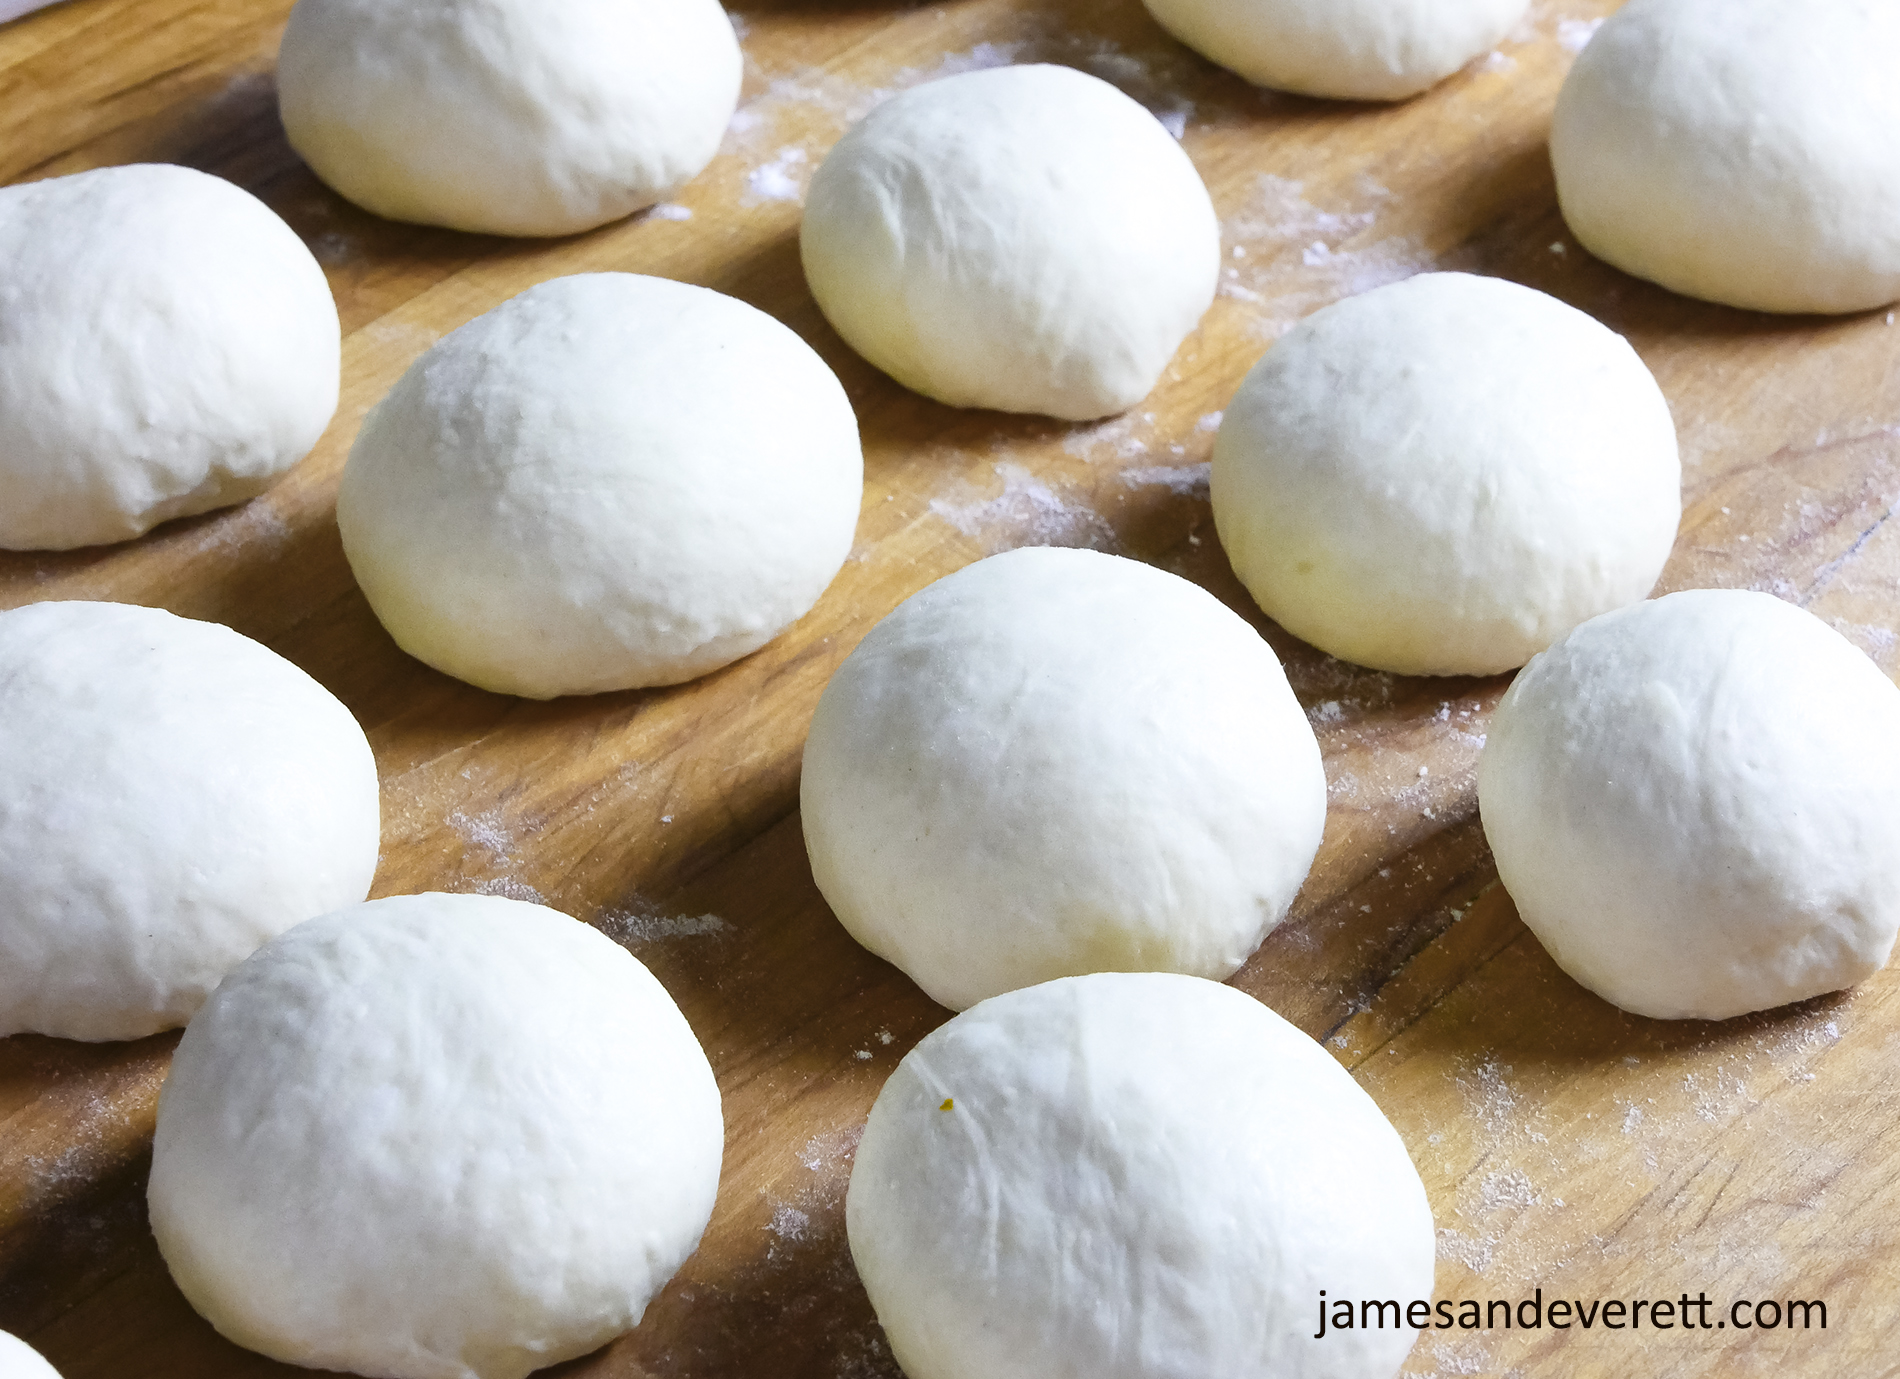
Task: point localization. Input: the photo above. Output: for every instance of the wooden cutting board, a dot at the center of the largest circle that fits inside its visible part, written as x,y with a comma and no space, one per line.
1566,1147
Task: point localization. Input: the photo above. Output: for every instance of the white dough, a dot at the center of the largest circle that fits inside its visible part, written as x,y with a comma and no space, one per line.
13,9
434,1137
1376,50
1055,762
1022,238
1443,476
18,1360
167,346
1742,151
172,794
1132,1176
609,481
510,117
1695,803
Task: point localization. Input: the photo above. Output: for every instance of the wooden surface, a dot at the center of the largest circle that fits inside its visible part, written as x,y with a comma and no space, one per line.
1565,1146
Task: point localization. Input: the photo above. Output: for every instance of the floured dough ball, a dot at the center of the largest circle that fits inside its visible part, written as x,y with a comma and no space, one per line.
508,117
1374,50
167,346
18,1360
1133,1176
1741,151
1443,476
172,794
434,1137
1695,803
607,482
1022,238
1055,762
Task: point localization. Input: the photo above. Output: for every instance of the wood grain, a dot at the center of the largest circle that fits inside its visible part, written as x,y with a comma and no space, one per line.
1565,1145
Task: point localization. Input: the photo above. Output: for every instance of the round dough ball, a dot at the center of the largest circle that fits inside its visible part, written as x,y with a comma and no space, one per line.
1443,476
1695,804
172,794
1022,238
1132,1176
167,346
507,117
434,1137
607,482
1055,762
1741,151
1370,50
18,1360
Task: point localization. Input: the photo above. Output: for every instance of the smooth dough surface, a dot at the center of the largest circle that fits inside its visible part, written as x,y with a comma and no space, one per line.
1695,803
172,794
1023,238
510,117
1132,1176
18,1360
1055,762
167,346
1376,50
1741,151
1443,476
606,482
434,1137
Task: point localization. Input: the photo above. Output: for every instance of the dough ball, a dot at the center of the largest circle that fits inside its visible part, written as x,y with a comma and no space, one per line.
18,1360
607,482
508,117
1695,804
172,794
1444,476
167,346
1373,50
1022,238
1055,762
1132,1176
434,1137
1742,151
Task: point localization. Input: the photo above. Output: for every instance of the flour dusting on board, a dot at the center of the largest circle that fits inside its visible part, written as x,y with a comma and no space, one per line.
1426,768
471,825
256,528
788,1222
1126,437
1449,1358
830,1155
804,1281
637,921
480,848
510,889
1028,512
487,831
1189,480
97,1133
1286,256
1876,641
1650,1144
781,179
